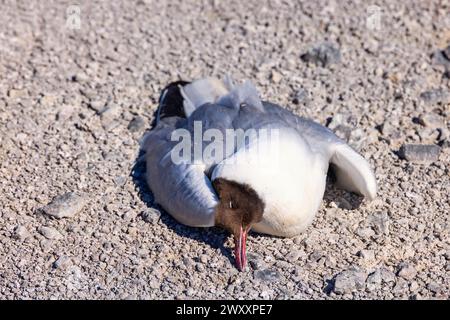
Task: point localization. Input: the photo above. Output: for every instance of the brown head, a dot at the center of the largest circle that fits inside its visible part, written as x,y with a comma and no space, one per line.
239,208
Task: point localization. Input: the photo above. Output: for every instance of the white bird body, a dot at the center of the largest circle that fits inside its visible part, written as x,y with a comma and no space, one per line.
288,173
290,182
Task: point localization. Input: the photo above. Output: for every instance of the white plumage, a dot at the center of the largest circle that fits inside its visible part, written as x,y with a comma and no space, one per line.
290,181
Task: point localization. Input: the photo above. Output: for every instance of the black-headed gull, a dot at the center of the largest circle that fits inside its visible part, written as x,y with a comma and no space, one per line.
219,156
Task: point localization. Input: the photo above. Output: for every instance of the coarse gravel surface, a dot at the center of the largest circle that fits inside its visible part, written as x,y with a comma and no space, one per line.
76,218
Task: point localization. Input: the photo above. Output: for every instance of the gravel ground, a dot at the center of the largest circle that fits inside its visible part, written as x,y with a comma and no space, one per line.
77,220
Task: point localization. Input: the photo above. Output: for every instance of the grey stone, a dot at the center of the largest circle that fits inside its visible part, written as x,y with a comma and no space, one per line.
413,286
151,215
120,180
367,255
50,233
64,113
17,93
324,55
48,100
199,267
267,275
420,152
65,205
374,280
401,287
204,259
129,215
349,281
375,277
447,254
276,76
188,262
97,105
390,129
434,287
137,124
345,126
315,256
300,96
435,96
80,77
380,222
428,134
344,204
293,255
386,275
255,261
431,120
365,232
440,57
446,52
109,117
21,233
406,271
63,262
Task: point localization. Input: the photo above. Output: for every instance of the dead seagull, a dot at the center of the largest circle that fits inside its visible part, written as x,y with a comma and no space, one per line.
270,183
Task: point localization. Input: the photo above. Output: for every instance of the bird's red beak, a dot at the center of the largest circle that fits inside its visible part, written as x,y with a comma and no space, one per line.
240,252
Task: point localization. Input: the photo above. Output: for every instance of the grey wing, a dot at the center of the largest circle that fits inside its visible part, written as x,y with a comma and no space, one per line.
353,172
182,189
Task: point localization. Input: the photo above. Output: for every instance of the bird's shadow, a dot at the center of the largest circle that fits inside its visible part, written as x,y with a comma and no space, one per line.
342,198
214,237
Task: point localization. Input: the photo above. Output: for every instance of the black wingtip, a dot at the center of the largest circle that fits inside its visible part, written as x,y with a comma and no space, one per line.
171,101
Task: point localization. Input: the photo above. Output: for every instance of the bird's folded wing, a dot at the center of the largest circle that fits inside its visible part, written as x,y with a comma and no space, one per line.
353,172
182,189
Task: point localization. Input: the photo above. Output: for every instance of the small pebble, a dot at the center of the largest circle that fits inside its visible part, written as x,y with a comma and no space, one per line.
267,275
375,277
17,93
65,206
21,233
62,262
386,275
380,222
50,233
300,96
129,215
434,287
324,55
204,259
151,215
349,281
97,105
367,255
420,152
137,124
293,255
435,96
406,271
276,76
365,232
255,261
431,120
